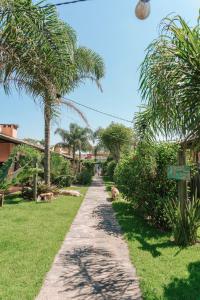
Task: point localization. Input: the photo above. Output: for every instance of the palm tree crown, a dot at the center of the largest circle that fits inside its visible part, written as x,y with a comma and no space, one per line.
170,81
76,139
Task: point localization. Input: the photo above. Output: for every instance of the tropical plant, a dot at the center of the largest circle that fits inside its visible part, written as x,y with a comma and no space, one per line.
60,170
37,49
85,176
142,177
170,85
28,164
110,169
116,138
185,229
97,143
170,81
86,65
41,53
76,139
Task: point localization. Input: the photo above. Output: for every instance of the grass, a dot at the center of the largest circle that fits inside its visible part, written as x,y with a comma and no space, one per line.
166,272
30,236
108,183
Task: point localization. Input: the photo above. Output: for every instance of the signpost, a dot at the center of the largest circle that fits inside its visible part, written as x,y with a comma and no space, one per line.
178,172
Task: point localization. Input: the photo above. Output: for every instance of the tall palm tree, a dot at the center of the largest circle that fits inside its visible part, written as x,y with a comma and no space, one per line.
36,49
87,65
76,139
170,86
39,53
98,145
170,82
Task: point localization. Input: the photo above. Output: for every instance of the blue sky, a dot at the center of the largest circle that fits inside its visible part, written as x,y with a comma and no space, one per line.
110,28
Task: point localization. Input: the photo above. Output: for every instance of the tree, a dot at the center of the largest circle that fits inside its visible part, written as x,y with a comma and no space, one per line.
39,53
170,85
115,138
170,82
28,161
76,139
87,65
36,49
98,145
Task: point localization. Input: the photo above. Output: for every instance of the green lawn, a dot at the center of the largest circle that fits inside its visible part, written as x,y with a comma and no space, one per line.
165,271
30,236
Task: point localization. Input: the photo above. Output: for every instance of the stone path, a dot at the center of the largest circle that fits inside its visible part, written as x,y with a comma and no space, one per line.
93,262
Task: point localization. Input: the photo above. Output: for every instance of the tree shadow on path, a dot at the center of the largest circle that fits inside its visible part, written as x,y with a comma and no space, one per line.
93,273
106,220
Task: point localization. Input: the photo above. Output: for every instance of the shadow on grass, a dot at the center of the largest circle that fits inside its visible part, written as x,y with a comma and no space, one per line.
15,199
187,288
151,240
135,228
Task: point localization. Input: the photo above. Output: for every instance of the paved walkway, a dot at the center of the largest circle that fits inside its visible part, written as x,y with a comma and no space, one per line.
93,262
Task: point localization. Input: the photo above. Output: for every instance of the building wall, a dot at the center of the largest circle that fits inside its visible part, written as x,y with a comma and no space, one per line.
5,150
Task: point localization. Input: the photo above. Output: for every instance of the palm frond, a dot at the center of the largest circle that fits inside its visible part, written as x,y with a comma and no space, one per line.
74,108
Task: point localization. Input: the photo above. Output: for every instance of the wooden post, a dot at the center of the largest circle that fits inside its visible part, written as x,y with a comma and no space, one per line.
182,184
35,182
1,200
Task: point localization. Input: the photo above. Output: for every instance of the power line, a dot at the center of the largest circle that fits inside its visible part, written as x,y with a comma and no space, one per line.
65,3
100,112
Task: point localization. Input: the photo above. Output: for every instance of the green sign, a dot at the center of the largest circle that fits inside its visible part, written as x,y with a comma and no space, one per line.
178,172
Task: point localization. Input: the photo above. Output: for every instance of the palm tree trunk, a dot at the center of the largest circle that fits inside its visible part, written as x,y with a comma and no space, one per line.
79,160
74,159
47,118
35,182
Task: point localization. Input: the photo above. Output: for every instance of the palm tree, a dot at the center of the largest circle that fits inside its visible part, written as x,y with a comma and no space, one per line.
170,86
39,53
87,65
98,145
36,49
76,139
170,82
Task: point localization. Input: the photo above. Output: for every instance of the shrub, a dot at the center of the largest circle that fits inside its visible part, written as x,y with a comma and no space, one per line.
142,177
89,165
111,169
184,225
43,188
84,177
61,174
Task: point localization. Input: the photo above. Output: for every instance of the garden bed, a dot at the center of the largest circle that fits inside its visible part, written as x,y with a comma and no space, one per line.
30,236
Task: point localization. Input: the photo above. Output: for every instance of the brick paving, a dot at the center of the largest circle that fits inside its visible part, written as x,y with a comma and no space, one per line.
93,262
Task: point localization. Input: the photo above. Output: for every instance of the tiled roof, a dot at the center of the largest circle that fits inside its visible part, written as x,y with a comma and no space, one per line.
9,139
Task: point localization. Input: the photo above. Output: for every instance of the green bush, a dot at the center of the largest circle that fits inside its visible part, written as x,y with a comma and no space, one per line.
43,188
84,177
89,165
142,177
111,169
61,174
184,224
